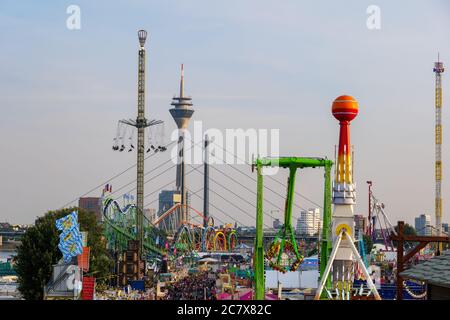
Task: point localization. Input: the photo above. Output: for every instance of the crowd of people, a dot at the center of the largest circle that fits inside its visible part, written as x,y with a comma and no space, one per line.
125,294
199,286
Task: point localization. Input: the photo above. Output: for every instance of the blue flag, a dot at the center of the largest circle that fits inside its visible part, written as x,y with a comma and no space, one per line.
67,222
70,239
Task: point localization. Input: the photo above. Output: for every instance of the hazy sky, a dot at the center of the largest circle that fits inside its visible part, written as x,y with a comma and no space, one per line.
248,64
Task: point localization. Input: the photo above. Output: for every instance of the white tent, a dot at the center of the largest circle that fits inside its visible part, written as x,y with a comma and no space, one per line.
208,260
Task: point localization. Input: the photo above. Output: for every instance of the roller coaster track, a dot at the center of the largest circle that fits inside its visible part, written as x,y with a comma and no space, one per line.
120,226
192,237
171,210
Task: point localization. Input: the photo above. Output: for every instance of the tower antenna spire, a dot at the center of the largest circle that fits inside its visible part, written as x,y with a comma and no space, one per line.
182,81
181,112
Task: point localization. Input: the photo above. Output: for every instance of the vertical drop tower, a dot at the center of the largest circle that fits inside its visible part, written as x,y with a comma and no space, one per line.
438,70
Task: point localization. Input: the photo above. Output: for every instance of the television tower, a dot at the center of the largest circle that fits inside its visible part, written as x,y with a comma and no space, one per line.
438,70
181,113
140,123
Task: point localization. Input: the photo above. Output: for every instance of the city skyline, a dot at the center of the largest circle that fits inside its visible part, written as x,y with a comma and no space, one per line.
274,65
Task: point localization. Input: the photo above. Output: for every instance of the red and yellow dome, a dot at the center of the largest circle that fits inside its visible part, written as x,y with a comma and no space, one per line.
345,108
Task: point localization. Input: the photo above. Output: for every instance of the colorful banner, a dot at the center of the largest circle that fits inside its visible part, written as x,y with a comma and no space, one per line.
68,222
70,239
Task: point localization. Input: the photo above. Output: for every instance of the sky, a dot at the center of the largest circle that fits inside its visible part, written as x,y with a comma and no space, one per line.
248,64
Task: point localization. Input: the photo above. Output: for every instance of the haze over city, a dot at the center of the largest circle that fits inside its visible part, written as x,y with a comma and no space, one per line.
252,64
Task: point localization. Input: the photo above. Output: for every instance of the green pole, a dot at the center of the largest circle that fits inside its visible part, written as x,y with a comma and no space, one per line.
290,201
288,231
290,198
326,239
258,259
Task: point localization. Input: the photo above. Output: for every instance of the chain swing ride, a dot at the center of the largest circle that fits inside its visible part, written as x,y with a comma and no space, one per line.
125,136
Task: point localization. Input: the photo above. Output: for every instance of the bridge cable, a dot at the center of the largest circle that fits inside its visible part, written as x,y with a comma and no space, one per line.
112,178
154,177
212,205
245,200
253,192
279,182
160,188
187,149
134,180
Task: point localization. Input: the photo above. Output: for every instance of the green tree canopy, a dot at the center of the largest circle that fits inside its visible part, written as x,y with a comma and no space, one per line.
408,230
39,251
368,243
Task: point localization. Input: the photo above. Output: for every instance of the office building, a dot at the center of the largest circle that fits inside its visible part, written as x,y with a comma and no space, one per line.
422,225
167,199
360,224
91,204
310,222
150,214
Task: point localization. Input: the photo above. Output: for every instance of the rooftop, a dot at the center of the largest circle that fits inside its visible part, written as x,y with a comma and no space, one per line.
434,271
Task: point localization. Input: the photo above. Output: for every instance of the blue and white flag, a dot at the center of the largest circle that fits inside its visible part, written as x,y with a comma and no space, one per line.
67,222
70,239
70,250
71,235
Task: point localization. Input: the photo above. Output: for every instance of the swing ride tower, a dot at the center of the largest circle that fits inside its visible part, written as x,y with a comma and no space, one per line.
141,123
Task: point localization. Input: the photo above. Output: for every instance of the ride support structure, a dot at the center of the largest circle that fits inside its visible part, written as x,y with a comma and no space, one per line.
438,70
120,226
402,258
141,123
285,242
379,215
341,264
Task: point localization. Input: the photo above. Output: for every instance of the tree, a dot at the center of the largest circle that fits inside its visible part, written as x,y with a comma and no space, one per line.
39,251
368,243
408,230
